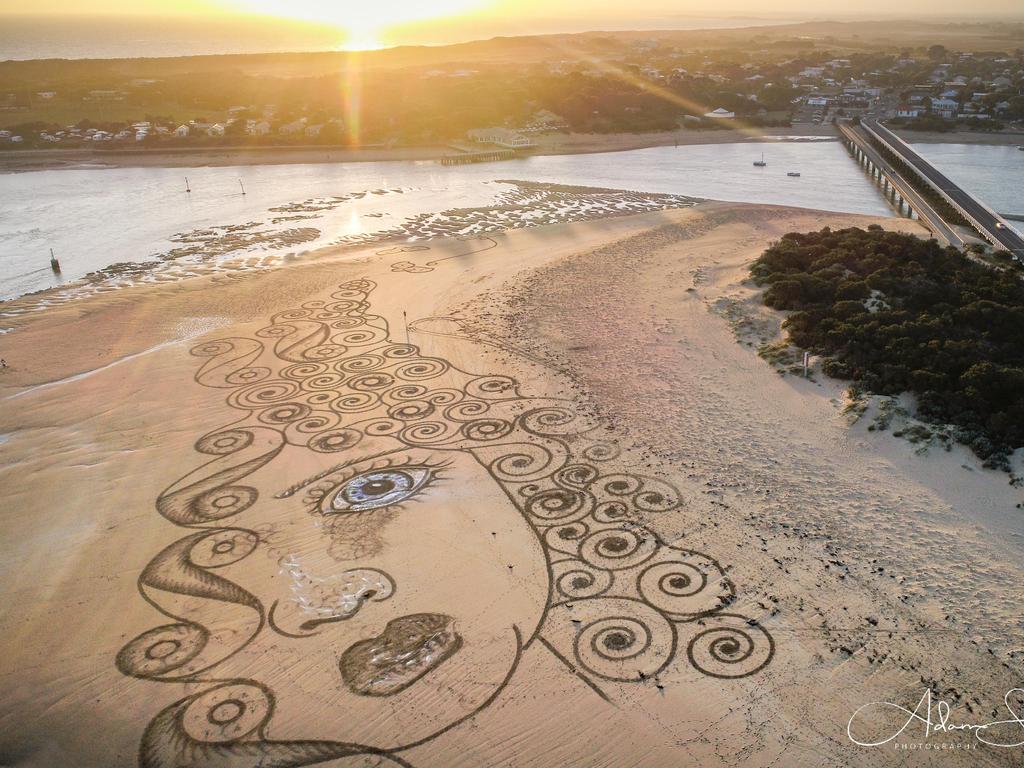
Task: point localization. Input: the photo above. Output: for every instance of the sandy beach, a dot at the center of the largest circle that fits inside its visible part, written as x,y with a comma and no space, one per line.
528,499
547,144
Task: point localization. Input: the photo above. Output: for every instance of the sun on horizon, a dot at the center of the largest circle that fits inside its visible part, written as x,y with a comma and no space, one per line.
363,28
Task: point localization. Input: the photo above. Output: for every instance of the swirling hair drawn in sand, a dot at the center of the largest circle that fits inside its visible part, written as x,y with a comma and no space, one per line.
622,605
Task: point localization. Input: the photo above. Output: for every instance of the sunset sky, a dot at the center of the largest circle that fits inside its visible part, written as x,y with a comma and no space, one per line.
375,23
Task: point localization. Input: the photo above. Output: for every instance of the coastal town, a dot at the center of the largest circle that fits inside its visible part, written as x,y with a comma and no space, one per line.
633,85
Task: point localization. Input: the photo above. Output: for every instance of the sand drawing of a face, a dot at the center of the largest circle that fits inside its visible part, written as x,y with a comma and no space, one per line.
380,535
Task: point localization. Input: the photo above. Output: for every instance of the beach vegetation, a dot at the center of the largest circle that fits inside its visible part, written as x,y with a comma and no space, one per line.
894,313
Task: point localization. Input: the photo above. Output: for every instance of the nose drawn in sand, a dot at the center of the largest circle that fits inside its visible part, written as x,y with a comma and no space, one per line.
447,522
321,600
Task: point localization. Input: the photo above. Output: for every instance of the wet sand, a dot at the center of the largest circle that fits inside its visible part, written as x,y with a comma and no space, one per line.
538,504
252,246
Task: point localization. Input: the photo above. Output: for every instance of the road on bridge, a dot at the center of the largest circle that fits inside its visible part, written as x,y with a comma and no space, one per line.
995,227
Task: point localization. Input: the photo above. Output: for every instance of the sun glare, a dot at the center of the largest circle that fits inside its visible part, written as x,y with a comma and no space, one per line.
362,24
359,38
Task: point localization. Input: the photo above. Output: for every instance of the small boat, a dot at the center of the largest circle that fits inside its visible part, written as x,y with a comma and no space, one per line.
54,264
1021,147
760,163
793,173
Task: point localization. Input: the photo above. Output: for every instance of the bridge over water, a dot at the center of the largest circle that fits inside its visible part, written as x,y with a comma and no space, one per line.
989,224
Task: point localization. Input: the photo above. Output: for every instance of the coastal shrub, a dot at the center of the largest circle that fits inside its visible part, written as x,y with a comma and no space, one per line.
894,313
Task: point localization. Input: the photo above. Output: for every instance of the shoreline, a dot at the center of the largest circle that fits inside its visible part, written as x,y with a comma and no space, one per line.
21,161
524,204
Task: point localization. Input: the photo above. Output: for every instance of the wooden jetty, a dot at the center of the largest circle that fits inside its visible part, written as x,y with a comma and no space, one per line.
486,156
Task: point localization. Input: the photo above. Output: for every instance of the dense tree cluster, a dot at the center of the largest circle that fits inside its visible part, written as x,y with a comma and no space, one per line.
895,313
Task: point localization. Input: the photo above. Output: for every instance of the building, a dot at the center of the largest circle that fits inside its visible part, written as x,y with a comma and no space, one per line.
181,132
909,110
503,137
294,127
104,96
971,109
945,107
257,128
545,120
720,114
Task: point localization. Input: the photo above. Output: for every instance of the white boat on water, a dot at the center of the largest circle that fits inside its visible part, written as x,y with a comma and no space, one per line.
793,173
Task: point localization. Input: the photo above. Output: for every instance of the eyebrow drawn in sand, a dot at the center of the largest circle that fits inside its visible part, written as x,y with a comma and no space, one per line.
293,489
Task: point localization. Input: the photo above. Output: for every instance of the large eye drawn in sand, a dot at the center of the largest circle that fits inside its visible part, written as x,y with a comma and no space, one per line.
622,605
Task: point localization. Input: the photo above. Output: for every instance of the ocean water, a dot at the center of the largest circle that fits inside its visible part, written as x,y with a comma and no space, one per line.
96,217
25,37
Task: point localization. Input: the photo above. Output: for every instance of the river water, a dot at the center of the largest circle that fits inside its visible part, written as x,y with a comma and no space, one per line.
995,175
96,217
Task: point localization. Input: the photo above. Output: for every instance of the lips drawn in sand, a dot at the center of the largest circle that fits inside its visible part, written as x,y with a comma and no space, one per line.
407,649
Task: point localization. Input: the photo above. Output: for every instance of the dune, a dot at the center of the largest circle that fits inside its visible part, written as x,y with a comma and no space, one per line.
528,498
